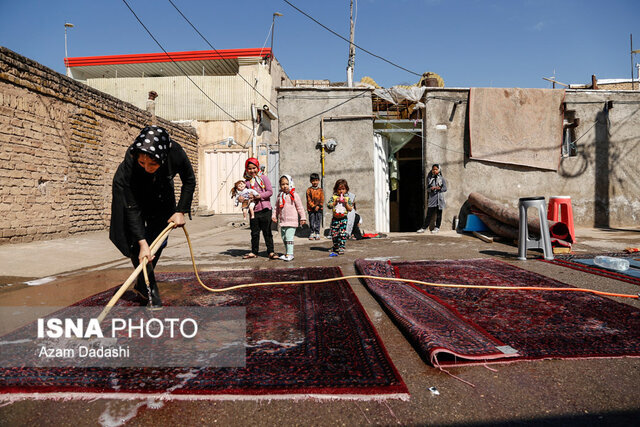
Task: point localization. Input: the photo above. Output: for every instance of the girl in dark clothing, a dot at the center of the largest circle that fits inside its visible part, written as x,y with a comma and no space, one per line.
256,180
437,186
144,200
340,204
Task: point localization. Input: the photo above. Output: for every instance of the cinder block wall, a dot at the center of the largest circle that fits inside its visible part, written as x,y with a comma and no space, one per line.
60,144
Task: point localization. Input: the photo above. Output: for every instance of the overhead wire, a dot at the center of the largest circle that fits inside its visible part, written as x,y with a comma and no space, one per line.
216,50
266,38
323,112
349,41
212,47
420,134
204,93
180,68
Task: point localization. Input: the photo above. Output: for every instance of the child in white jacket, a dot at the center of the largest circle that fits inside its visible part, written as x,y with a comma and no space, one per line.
288,211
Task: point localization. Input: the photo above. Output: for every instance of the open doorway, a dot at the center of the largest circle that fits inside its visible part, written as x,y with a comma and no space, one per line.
407,201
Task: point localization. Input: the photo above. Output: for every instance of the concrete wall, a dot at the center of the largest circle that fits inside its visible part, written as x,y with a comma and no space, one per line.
300,111
602,179
60,144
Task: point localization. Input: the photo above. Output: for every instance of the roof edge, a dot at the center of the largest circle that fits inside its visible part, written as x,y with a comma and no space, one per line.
142,58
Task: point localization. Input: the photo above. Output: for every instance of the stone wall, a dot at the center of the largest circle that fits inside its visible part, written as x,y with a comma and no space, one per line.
60,144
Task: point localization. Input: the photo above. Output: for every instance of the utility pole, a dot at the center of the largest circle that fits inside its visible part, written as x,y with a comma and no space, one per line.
273,30
352,52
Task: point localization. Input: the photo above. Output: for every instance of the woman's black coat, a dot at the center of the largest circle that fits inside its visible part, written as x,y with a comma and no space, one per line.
139,197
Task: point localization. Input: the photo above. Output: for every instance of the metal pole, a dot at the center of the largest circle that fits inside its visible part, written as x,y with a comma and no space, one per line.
273,30
631,54
254,116
66,55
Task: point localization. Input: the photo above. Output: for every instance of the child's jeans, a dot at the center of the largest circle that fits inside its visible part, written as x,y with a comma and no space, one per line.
339,233
315,221
287,234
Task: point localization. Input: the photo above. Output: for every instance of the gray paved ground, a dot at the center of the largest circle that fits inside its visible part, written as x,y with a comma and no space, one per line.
558,392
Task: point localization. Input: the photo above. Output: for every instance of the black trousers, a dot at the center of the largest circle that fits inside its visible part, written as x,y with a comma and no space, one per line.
430,212
153,228
356,232
261,223
315,221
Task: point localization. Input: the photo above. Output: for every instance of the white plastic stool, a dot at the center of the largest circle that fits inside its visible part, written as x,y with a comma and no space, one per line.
524,242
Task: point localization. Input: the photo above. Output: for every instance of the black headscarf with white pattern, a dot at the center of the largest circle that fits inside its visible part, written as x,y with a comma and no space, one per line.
154,141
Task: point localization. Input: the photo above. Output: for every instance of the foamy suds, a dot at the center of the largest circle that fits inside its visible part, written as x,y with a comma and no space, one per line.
119,413
185,377
279,344
15,342
41,281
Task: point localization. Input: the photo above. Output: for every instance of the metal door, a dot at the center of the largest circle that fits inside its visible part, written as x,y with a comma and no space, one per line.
381,179
222,170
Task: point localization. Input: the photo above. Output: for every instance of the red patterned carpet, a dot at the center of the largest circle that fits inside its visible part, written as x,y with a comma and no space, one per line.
313,339
454,326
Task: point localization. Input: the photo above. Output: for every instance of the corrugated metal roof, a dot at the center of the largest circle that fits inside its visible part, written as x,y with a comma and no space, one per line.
193,63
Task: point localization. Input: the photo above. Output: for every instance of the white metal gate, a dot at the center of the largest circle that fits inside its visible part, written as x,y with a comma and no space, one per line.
222,170
381,175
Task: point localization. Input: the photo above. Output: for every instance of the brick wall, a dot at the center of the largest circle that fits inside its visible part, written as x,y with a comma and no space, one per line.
619,86
60,144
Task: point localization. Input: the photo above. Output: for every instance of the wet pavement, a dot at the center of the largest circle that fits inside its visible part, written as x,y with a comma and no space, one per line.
552,392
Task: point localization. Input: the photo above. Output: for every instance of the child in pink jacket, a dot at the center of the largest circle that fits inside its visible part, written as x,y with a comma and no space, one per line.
288,209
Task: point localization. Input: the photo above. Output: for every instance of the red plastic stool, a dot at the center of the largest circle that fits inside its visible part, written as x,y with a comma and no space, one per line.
560,207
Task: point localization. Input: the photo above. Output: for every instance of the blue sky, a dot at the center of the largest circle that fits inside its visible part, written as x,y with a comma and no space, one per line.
506,43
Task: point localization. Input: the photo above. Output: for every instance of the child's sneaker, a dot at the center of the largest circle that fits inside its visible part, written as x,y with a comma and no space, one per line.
435,230
286,257
420,230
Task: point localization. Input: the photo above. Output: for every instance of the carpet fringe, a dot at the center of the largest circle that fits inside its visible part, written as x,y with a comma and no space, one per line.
67,396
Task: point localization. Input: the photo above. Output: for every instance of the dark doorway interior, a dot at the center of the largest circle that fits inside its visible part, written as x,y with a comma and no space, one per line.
409,196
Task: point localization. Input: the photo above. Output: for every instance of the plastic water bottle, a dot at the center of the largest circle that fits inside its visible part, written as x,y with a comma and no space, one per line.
611,262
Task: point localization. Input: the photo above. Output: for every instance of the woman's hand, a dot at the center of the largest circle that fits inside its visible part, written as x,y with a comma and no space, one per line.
178,219
303,222
145,251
